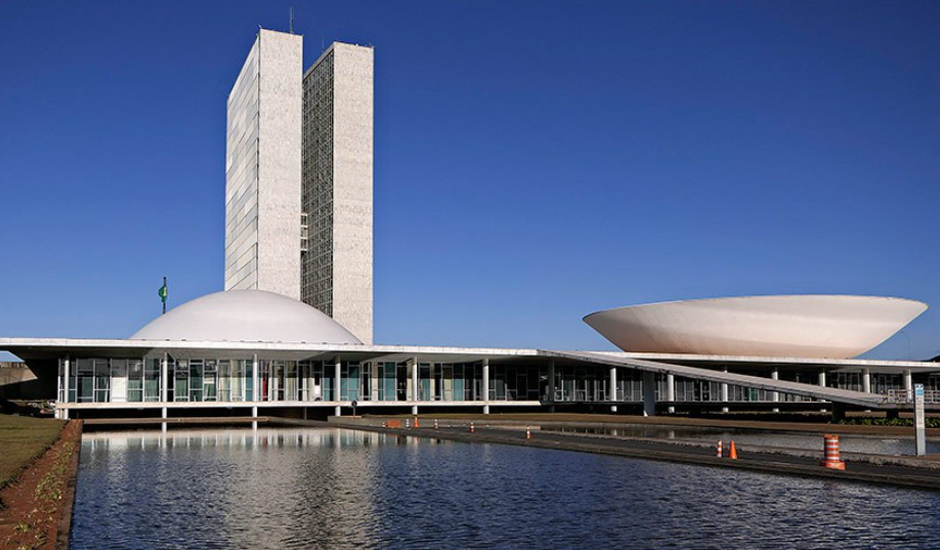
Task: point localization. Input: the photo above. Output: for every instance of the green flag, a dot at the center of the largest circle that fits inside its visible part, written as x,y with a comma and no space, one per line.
162,293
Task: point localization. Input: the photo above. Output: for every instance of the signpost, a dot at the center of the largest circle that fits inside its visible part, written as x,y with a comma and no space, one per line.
920,431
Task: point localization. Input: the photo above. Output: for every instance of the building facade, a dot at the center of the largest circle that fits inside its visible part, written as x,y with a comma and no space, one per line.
299,163
336,259
263,168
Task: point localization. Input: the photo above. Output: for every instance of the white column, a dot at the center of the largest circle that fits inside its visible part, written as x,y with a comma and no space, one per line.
724,392
337,375
866,380
64,415
164,378
613,389
256,391
58,386
254,414
486,386
822,382
775,396
374,370
163,413
909,384
670,391
415,380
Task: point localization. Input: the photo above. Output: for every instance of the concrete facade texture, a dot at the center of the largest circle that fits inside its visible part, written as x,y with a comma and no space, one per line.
338,186
263,168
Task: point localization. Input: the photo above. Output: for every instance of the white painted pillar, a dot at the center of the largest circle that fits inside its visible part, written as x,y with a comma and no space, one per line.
775,396
415,380
64,415
255,391
671,391
613,389
163,413
822,383
337,381
58,386
486,386
254,414
649,393
866,380
67,373
164,378
909,384
724,392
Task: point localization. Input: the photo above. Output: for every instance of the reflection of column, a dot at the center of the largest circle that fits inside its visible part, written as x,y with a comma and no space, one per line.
486,386
671,392
866,380
724,392
613,389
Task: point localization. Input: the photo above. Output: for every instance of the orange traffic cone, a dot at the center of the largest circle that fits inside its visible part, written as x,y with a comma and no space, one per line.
832,459
719,448
732,452
416,422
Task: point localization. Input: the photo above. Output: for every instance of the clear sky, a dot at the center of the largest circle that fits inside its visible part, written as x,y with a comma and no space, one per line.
534,161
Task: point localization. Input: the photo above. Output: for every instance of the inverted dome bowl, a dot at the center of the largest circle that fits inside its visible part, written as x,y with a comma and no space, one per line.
246,316
767,326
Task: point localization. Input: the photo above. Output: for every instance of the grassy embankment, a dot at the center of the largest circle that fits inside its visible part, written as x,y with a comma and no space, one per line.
23,439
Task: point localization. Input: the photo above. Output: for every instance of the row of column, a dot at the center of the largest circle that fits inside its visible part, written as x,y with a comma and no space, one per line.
649,388
649,384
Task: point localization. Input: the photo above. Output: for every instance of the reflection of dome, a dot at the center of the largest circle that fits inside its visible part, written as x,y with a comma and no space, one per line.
248,316
770,326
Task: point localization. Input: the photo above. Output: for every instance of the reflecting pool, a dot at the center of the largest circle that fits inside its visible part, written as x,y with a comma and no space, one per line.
331,488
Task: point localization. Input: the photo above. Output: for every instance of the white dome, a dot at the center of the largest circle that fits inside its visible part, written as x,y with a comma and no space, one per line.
772,326
246,316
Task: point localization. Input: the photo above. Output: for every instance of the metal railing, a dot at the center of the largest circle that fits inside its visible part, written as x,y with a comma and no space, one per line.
906,397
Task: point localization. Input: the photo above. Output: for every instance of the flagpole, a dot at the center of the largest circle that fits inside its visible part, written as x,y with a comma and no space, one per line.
164,297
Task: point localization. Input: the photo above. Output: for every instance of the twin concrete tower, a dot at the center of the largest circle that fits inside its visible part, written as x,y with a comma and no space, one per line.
298,178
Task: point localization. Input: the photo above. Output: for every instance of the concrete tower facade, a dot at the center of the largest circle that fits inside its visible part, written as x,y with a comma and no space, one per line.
263,168
336,262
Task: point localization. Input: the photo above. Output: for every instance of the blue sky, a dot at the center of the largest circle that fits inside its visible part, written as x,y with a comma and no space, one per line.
534,161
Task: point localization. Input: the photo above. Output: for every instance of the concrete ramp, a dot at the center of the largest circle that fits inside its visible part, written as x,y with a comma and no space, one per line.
836,395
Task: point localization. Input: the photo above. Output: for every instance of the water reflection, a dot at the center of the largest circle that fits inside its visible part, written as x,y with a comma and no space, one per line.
328,488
